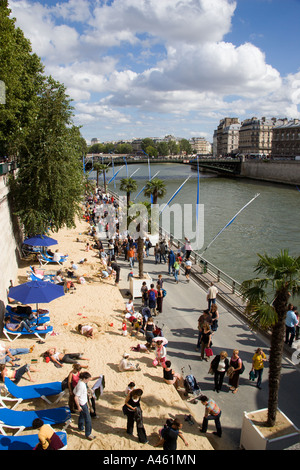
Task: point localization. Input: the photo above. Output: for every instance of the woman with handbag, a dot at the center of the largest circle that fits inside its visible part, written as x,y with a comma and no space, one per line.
205,340
237,365
219,367
132,409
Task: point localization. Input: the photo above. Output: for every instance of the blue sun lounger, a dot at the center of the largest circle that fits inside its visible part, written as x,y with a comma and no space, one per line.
34,331
27,442
44,259
29,392
20,420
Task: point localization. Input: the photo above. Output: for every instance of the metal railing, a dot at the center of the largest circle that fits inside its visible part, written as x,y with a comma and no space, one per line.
206,266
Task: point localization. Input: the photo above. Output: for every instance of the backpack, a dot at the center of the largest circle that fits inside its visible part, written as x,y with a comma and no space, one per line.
164,292
242,369
151,295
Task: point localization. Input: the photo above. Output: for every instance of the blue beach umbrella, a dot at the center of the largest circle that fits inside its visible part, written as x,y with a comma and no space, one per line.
40,240
35,292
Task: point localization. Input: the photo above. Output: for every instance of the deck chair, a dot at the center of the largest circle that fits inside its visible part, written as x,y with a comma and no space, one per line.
29,392
27,442
9,311
20,420
12,335
45,259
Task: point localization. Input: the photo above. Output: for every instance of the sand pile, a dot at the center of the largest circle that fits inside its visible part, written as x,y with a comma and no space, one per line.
100,303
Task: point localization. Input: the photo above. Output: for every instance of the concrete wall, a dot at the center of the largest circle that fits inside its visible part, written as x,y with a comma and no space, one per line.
8,246
287,172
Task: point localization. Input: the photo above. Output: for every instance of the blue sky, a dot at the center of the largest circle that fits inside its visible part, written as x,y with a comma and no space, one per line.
139,68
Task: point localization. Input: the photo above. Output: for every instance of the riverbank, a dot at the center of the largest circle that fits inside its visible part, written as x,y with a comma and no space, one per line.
101,304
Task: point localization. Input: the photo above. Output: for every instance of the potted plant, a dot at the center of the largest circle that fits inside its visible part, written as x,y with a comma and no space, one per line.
280,281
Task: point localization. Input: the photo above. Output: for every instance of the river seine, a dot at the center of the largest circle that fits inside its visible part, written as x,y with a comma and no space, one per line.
269,224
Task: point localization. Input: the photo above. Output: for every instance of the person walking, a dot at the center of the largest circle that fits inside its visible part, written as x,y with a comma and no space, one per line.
291,322
211,295
176,270
214,312
132,409
152,299
237,364
205,341
159,299
219,367
212,412
258,365
171,261
81,400
188,267
204,318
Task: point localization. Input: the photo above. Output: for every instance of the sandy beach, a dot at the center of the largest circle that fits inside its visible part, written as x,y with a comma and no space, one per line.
101,304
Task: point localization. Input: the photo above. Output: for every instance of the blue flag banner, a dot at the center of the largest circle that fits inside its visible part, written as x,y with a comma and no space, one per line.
116,174
231,221
174,195
124,158
145,186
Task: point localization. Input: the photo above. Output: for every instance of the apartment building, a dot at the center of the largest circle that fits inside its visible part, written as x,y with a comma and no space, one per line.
286,139
223,134
255,136
200,145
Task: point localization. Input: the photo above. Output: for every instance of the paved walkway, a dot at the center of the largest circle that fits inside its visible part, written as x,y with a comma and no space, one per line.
181,309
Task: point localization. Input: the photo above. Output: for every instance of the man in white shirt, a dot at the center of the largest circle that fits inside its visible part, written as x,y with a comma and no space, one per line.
81,400
211,295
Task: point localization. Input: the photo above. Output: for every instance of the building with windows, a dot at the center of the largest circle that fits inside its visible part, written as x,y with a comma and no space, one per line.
200,145
255,136
286,139
222,135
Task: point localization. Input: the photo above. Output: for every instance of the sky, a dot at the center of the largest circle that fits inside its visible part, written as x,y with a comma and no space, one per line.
151,68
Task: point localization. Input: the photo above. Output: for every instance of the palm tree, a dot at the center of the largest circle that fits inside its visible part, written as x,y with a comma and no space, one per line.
128,185
101,168
156,188
282,280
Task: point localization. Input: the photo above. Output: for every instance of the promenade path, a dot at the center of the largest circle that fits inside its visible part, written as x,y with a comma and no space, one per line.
181,309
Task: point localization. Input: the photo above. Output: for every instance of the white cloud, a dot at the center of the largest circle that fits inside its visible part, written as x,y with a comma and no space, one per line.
177,61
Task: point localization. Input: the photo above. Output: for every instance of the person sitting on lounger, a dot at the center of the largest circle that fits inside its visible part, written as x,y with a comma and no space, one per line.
48,439
59,358
13,327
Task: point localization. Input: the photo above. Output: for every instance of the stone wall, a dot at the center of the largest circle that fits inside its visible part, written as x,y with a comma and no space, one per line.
286,172
8,244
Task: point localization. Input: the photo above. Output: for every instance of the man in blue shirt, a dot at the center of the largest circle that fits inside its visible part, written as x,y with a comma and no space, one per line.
290,325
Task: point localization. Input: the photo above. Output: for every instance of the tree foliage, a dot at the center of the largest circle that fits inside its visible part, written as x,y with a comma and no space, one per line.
49,185
21,71
267,301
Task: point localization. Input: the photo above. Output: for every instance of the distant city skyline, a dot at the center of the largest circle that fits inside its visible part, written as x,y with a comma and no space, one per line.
138,68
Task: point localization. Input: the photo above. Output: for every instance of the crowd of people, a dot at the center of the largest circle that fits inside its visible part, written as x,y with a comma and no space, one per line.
103,214
143,321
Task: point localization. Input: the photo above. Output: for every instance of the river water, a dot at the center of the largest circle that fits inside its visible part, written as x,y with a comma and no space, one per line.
269,224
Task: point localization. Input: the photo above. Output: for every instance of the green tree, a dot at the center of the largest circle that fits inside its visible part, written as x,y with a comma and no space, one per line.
96,148
49,185
173,147
151,151
147,143
22,74
128,185
101,169
124,149
156,188
163,149
282,274
185,146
